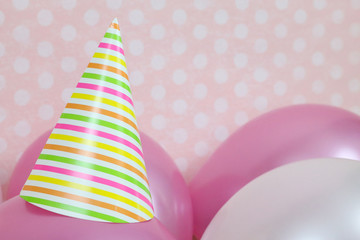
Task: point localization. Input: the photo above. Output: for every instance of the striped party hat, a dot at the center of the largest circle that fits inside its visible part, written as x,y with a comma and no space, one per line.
92,165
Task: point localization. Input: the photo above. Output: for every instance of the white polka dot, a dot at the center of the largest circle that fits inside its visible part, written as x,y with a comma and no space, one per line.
337,16
201,4
317,59
201,149
220,75
157,32
136,47
139,108
44,17
201,120
22,128
279,59
68,33
354,85
318,87
21,34
241,118
221,133
21,97
318,30
299,45
46,112
355,4
221,105
240,60
3,114
261,16
66,94
336,99
336,72
179,76
200,91
158,4
136,78
200,31
299,73
180,135
136,17
280,88
20,4
21,65
2,50
3,145
260,45
354,57
260,74
261,103
280,30
158,122
320,4
300,16
91,17
242,4
45,80
200,61
179,106
241,89
220,46
158,62
221,17
158,92
179,46
355,30
114,4
68,4
2,18
45,49
179,17
68,64
2,82
281,4
299,99
182,164
336,44
90,47
241,31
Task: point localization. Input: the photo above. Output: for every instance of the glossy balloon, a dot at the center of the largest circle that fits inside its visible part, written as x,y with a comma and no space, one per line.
271,140
169,191
315,199
21,220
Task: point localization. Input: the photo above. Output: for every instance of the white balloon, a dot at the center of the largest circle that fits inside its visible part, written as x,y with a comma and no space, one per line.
317,199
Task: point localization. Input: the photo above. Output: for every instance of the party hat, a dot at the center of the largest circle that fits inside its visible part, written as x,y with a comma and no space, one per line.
92,165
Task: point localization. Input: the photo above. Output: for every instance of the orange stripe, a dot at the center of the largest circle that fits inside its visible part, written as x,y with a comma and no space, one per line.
103,112
84,200
96,156
108,68
115,26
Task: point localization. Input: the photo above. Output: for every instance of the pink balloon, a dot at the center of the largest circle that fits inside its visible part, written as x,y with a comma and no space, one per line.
169,191
271,140
21,220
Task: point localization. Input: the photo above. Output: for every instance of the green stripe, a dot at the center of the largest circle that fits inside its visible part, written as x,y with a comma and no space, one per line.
113,36
101,123
94,167
106,79
67,207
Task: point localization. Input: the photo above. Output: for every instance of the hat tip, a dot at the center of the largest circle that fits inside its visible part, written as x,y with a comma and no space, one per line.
115,21
115,24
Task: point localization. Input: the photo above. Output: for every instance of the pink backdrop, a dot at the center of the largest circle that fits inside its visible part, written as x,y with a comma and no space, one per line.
199,69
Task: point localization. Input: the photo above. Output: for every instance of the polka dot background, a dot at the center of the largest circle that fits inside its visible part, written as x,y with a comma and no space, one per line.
199,69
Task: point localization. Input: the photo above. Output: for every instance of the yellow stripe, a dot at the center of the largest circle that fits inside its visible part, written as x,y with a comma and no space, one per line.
98,145
90,189
105,101
110,57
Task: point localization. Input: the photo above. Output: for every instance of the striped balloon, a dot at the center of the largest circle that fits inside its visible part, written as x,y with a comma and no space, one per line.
92,165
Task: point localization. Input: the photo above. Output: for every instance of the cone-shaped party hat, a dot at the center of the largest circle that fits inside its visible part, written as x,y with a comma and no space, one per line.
92,165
